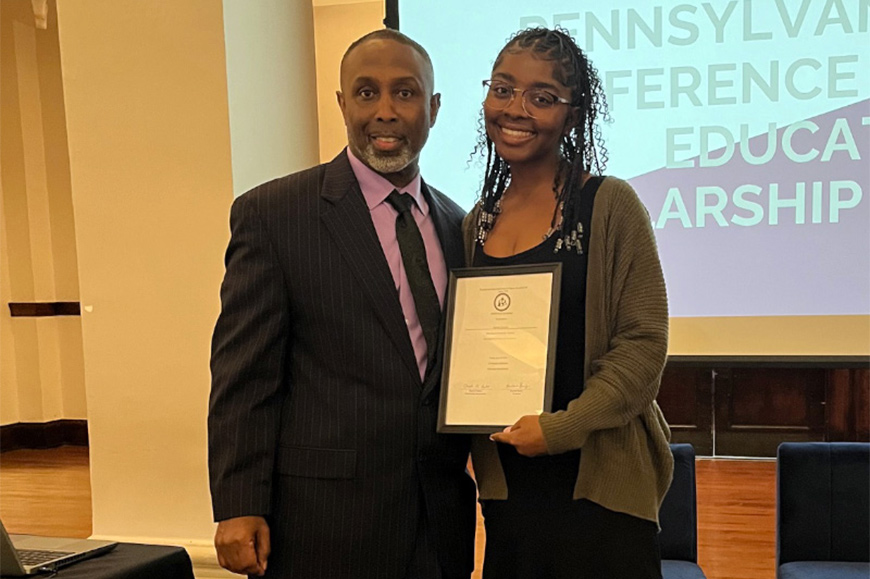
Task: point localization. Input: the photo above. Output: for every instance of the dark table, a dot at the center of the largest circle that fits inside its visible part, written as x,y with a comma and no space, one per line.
132,561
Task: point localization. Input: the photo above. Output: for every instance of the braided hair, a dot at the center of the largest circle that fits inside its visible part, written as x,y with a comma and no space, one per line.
582,148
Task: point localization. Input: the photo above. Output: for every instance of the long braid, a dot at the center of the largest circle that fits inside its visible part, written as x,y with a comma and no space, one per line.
582,149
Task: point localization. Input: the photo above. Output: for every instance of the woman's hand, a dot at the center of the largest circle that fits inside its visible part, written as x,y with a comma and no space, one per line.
526,436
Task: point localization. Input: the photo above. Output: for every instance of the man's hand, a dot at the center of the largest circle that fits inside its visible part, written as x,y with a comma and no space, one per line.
526,435
242,545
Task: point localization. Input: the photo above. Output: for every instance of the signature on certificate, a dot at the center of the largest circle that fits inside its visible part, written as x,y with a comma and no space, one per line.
517,388
475,388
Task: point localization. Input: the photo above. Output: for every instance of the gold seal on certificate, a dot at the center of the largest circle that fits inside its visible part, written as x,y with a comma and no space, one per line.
500,346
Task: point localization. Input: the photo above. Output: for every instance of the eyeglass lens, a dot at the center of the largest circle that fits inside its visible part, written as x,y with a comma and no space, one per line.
499,95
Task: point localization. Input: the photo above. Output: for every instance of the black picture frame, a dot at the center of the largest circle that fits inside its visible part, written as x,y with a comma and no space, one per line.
456,276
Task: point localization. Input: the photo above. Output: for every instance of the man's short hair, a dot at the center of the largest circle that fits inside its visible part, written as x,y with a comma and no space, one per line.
390,34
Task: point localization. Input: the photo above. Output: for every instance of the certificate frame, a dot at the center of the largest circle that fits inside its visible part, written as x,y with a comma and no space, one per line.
452,378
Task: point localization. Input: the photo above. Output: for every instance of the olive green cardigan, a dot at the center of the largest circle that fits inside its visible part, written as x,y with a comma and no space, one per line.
626,463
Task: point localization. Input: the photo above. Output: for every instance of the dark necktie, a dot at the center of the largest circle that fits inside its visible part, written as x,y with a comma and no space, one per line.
417,269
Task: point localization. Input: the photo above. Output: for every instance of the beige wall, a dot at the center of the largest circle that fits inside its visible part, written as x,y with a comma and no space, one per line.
42,367
336,25
272,108
145,93
8,368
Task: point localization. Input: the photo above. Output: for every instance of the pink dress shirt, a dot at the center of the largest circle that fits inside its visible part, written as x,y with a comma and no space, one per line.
375,190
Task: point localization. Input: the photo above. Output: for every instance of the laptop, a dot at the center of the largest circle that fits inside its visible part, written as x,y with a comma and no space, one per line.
22,555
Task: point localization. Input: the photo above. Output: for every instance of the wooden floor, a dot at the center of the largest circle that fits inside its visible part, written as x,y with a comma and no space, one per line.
736,518
48,492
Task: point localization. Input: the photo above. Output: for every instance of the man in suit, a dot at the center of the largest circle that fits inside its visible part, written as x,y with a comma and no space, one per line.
323,456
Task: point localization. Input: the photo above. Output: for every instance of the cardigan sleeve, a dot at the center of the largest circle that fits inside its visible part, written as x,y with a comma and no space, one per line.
624,379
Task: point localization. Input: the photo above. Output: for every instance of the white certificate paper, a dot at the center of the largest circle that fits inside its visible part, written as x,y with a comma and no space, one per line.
500,346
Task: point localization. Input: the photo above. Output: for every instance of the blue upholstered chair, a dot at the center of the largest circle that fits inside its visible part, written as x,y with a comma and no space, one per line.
678,518
823,510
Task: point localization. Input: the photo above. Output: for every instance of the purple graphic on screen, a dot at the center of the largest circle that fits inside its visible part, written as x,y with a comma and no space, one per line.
788,268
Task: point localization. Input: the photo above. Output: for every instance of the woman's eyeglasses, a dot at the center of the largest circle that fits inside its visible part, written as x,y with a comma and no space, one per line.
499,95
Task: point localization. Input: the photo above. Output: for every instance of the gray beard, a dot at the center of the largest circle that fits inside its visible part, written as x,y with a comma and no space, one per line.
386,164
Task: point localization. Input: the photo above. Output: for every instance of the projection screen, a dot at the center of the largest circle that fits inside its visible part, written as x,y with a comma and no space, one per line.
742,125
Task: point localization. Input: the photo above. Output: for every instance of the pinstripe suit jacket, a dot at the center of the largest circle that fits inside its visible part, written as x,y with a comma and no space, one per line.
318,418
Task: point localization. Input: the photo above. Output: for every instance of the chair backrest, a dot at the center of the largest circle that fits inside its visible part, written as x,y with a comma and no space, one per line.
822,502
678,514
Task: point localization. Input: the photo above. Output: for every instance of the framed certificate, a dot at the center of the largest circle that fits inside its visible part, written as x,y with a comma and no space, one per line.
500,346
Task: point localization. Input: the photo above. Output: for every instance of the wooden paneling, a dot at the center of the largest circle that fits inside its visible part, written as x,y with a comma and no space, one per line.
735,407
36,435
686,399
43,309
861,404
759,408
848,405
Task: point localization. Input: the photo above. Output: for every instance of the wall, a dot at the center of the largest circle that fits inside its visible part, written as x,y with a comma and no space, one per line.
145,93
8,383
337,24
42,373
272,126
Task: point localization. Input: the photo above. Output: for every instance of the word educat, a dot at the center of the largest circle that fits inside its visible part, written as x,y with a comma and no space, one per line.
800,142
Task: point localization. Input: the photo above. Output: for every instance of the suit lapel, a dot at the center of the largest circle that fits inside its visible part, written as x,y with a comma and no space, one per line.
450,236
348,220
449,233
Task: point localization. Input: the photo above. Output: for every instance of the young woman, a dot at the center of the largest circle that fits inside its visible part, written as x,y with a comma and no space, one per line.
574,492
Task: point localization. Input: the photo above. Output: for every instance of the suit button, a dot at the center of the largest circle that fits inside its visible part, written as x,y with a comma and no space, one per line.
427,402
